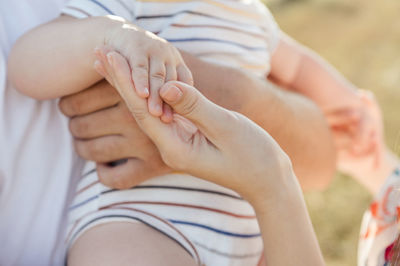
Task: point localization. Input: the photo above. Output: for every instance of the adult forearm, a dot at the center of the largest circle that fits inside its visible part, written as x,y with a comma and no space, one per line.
287,231
294,121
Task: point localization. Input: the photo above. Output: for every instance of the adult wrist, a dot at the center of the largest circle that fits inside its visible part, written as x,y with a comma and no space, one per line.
283,197
276,185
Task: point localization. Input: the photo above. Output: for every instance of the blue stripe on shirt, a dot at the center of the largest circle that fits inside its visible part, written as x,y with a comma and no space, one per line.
220,193
83,202
218,41
191,13
215,230
102,6
158,187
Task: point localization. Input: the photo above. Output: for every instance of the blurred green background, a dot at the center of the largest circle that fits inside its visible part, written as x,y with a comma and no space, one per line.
361,38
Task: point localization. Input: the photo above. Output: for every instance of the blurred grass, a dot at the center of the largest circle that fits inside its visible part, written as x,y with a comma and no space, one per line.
361,38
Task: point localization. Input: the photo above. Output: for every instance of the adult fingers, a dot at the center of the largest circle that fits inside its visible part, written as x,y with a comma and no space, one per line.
103,150
137,106
157,79
213,120
184,75
100,96
129,174
123,176
167,115
110,121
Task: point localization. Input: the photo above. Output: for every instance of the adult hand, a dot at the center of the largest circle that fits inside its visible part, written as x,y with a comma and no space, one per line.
206,140
227,148
105,131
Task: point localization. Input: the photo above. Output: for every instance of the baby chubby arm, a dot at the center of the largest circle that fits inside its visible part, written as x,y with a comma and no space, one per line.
302,70
56,58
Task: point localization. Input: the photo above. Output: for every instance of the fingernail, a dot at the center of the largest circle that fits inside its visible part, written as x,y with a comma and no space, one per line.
97,65
97,50
146,91
156,110
171,93
110,59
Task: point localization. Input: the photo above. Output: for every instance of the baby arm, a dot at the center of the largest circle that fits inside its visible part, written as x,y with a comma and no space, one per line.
300,69
372,169
303,71
57,58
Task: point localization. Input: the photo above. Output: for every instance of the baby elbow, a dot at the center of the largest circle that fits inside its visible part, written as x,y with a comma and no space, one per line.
27,89
20,77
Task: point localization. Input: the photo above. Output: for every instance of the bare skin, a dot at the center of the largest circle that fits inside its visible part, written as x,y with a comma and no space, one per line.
311,148
133,244
213,136
296,122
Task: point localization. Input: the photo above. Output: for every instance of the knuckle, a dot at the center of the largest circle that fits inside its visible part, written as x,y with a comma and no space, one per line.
189,106
94,151
89,150
78,127
68,106
158,75
189,79
140,67
116,179
81,150
138,113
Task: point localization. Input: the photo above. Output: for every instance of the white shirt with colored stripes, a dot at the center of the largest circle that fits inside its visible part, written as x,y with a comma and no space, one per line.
235,33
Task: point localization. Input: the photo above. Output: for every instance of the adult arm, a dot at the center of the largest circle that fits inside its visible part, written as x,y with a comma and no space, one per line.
215,138
294,121
63,52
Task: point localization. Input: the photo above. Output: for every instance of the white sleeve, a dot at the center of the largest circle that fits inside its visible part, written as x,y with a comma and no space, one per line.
273,31
92,8
274,36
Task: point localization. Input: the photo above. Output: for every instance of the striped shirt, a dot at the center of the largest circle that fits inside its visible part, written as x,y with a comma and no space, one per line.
235,33
212,223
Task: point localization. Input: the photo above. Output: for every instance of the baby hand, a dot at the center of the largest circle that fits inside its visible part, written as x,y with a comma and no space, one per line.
153,62
209,135
360,135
